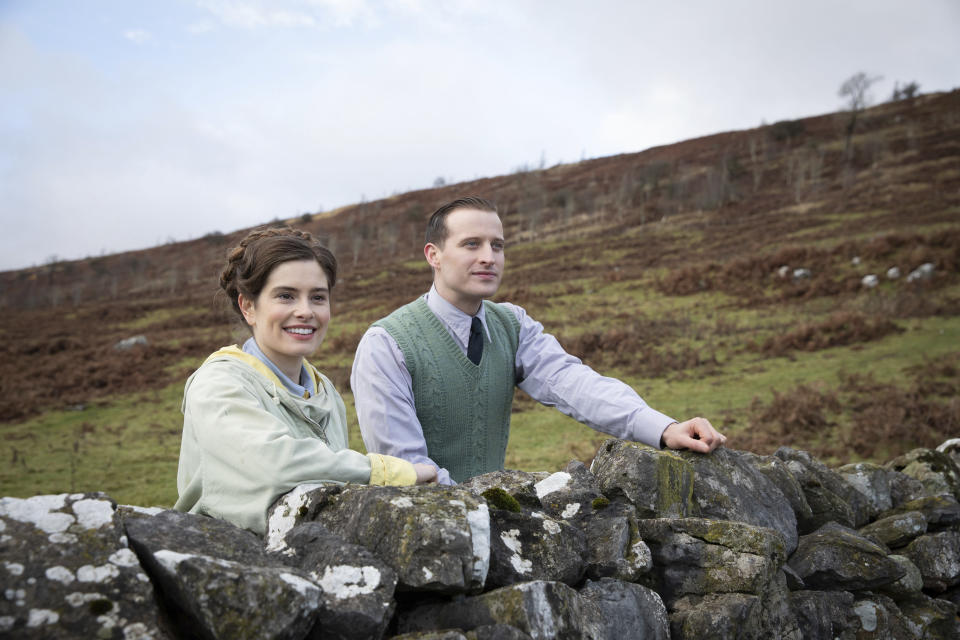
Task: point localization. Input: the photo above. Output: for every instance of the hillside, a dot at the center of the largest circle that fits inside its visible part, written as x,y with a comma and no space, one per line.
662,267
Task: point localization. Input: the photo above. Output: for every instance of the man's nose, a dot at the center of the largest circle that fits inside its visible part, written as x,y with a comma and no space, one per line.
486,253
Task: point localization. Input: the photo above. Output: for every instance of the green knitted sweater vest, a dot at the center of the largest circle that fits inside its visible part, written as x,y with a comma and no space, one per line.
464,408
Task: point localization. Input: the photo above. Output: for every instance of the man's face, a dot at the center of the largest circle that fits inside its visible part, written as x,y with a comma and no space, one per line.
469,266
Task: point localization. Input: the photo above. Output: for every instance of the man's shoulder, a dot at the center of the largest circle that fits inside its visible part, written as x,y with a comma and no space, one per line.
507,311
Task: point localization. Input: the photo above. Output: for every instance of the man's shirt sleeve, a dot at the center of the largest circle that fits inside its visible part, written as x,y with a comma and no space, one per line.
383,395
555,378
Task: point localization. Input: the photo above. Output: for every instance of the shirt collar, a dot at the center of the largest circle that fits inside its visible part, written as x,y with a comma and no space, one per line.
303,390
456,320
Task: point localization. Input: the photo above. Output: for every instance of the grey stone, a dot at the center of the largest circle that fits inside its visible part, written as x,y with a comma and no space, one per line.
910,583
836,557
67,572
497,632
334,555
435,538
698,556
614,546
777,472
533,546
718,616
937,555
296,507
903,488
518,484
877,616
923,272
873,482
129,343
569,494
941,512
951,447
728,486
540,609
951,595
824,615
628,611
930,618
830,496
357,587
226,599
896,530
188,533
441,634
218,579
656,483
937,471
793,579
735,615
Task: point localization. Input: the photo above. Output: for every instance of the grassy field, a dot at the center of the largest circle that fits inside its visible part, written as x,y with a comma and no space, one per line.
661,268
128,445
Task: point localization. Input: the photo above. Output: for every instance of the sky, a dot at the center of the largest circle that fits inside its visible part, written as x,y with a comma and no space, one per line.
127,124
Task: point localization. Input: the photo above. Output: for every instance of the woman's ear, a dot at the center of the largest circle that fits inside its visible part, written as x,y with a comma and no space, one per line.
247,309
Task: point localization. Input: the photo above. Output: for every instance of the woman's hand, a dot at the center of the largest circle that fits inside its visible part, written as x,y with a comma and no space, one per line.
426,473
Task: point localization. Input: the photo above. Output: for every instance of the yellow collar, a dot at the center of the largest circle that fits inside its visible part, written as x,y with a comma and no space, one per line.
235,352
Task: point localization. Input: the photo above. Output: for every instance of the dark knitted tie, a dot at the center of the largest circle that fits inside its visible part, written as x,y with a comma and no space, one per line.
475,346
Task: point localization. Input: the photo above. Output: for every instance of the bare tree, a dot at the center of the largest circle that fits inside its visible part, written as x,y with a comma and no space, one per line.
905,92
854,91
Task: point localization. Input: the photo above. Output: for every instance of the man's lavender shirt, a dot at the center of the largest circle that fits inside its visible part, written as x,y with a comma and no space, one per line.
383,389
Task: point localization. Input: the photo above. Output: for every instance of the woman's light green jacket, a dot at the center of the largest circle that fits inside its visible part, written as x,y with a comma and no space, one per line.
247,440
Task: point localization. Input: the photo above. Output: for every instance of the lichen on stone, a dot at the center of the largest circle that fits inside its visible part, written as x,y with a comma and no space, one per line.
93,514
550,484
674,484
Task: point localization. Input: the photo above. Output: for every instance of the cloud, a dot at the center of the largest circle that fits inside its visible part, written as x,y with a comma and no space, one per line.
255,14
137,36
295,104
199,28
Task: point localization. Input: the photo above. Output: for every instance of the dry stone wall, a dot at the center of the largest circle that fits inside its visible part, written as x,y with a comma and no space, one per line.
643,544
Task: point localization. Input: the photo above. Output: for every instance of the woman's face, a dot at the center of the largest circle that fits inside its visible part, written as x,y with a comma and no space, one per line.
289,318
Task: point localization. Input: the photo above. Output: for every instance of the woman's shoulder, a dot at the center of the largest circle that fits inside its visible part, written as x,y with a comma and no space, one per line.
230,365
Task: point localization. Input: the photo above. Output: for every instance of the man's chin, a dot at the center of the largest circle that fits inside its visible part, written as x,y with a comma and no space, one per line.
488,292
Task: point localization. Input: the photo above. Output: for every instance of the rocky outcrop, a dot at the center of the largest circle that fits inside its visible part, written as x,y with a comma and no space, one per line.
643,544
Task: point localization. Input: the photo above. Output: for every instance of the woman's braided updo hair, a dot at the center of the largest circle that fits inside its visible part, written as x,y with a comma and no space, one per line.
251,263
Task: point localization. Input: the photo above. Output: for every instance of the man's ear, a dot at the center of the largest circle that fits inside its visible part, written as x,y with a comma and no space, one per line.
431,253
246,308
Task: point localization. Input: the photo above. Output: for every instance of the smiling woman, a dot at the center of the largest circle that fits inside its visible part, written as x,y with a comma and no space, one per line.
260,420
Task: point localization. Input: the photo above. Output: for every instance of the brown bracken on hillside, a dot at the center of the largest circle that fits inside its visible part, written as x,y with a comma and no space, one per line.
718,209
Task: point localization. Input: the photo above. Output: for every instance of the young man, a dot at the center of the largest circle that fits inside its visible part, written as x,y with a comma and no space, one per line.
433,382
